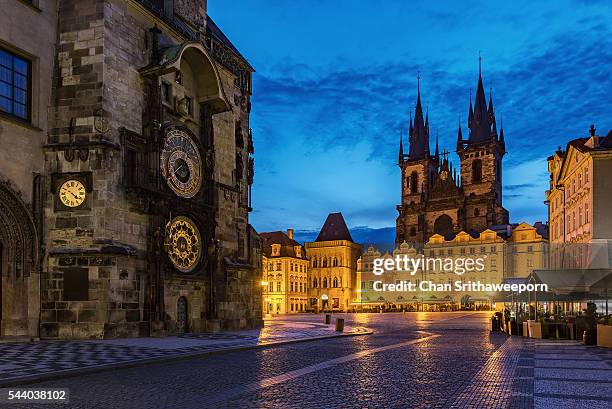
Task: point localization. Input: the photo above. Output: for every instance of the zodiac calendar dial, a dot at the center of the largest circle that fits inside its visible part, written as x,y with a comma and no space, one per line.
181,164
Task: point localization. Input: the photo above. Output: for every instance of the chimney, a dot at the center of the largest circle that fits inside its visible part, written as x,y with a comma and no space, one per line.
290,233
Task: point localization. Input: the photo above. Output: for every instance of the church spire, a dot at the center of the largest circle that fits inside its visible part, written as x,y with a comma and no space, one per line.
459,135
400,159
471,113
437,149
419,142
481,124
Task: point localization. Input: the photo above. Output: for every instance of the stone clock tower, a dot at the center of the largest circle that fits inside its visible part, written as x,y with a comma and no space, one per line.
149,164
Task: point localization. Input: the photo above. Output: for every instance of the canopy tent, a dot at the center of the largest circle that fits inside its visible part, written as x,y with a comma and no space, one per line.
563,285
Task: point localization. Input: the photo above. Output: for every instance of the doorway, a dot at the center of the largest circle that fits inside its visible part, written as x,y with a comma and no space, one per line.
181,315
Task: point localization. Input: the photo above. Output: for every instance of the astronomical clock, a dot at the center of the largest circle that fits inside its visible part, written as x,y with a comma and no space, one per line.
183,243
181,164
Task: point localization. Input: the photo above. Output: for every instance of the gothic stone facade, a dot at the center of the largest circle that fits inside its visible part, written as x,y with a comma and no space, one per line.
146,175
437,200
26,65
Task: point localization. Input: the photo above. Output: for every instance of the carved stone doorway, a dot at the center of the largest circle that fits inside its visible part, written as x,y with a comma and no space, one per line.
181,315
19,289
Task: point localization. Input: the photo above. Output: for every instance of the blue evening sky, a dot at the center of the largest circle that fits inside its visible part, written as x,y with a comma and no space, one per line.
336,80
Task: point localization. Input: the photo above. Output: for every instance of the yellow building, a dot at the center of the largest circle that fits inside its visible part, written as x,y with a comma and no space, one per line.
497,253
369,298
527,249
333,265
488,246
578,201
285,272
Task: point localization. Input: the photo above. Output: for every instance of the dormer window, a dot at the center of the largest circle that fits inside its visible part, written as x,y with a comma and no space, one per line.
298,251
276,249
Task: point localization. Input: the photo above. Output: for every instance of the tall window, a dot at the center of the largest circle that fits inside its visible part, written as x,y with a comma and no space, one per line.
15,81
414,182
477,171
586,212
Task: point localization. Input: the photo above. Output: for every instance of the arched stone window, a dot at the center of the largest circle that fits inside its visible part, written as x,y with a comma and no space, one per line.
324,282
477,171
335,262
324,262
314,283
314,262
335,282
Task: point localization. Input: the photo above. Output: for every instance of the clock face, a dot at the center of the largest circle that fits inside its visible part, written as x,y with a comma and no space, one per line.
181,164
72,193
443,175
184,243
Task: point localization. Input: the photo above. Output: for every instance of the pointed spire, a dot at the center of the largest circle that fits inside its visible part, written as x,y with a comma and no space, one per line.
481,125
459,135
401,149
471,113
410,130
437,149
419,142
501,129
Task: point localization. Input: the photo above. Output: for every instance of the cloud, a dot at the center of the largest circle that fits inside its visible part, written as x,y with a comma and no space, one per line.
549,92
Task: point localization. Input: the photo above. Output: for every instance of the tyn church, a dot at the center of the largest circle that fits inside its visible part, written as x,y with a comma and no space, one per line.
438,199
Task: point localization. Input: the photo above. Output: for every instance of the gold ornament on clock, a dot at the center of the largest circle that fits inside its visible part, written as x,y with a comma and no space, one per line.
72,193
183,243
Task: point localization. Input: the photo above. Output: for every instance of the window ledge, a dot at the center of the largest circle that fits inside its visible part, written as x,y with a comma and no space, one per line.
20,122
31,5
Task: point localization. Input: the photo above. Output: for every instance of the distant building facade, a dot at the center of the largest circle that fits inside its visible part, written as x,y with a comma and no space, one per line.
284,274
333,265
505,250
578,201
435,199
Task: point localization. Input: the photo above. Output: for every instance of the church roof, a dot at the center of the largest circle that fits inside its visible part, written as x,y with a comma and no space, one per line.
334,228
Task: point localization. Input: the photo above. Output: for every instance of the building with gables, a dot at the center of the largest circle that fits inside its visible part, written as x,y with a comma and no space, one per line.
333,266
506,251
435,199
285,274
578,201
133,204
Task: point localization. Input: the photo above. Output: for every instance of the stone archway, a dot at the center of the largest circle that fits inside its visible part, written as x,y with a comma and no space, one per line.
18,258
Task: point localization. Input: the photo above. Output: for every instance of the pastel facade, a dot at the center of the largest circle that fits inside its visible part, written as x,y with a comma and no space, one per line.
284,274
579,200
333,265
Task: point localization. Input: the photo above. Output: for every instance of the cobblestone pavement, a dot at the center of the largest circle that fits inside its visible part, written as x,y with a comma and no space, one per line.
27,361
413,360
